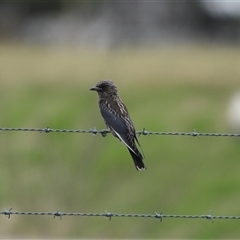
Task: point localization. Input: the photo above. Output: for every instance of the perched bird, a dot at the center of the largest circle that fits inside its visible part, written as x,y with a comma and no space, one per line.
117,119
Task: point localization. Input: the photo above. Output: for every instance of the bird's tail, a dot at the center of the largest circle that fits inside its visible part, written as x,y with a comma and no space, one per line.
137,159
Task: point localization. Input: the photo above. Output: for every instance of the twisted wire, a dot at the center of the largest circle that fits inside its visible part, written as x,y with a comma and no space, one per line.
104,132
110,215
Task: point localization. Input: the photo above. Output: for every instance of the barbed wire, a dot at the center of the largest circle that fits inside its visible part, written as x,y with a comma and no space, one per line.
110,215
104,132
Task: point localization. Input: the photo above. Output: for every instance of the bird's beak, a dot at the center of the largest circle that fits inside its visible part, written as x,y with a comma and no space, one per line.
95,88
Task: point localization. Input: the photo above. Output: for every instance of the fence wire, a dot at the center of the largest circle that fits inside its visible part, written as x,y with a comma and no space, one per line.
104,132
110,215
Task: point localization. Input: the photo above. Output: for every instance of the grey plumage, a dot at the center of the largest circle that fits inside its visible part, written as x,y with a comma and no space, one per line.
117,119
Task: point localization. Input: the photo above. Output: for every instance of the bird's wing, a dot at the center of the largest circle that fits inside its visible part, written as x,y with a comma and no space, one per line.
139,145
116,124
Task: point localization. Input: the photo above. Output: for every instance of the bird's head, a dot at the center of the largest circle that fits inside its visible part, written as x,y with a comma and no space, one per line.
105,88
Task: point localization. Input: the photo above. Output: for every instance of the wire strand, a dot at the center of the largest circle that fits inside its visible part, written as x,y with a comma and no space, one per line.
110,215
104,132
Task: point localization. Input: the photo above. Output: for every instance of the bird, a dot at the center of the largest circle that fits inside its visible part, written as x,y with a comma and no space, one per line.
117,119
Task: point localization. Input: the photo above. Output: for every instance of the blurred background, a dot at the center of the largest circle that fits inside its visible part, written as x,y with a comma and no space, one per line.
177,68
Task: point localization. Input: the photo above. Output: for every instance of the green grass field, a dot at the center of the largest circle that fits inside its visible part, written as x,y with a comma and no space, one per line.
166,89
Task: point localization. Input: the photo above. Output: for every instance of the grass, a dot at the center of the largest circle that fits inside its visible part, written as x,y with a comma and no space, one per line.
167,89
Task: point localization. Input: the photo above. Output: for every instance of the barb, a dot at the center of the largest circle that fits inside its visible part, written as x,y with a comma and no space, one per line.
110,215
104,132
